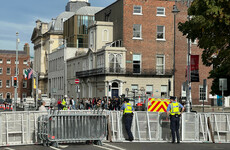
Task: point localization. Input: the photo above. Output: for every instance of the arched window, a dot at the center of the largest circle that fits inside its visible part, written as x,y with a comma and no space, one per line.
115,63
91,39
111,62
8,95
105,35
90,62
115,84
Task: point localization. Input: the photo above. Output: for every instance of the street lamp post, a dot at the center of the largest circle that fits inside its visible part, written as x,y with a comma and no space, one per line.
175,11
16,72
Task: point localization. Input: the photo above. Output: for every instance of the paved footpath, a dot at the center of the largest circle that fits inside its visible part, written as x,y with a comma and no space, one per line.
128,146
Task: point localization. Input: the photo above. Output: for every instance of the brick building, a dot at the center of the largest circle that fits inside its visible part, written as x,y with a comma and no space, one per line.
146,28
8,69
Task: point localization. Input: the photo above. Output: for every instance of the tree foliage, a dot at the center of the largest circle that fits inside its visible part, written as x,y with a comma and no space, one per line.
209,23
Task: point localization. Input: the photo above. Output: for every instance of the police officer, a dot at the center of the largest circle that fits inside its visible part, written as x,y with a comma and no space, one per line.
127,110
174,110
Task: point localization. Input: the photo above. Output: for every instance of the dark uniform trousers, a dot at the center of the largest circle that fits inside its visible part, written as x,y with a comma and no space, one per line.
175,125
128,118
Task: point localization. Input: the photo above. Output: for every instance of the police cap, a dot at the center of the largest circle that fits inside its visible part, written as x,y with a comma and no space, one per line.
173,98
126,100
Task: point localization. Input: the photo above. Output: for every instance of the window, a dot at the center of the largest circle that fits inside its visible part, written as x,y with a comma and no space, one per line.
194,42
115,63
90,62
8,95
160,11
16,62
0,83
137,10
105,35
160,32
8,71
164,90
136,63
8,61
134,87
8,83
1,70
149,90
24,95
1,61
24,84
91,39
160,66
137,31
25,62
1,95
203,93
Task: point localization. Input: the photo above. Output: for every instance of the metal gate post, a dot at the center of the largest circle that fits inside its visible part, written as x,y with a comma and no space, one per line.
138,128
1,132
183,126
147,115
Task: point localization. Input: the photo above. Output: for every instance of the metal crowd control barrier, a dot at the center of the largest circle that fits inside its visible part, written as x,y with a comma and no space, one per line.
59,128
206,127
146,126
19,128
153,126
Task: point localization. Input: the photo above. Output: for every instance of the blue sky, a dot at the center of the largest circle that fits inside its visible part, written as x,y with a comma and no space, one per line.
20,16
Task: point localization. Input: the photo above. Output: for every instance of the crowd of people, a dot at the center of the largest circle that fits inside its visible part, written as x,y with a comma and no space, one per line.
92,103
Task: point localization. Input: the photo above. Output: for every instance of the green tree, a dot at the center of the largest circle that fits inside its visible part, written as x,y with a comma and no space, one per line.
210,25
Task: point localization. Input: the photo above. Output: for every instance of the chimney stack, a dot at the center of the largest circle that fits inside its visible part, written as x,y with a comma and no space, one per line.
27,48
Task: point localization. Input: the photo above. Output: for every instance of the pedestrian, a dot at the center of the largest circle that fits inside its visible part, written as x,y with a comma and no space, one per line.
127,110
174,110
42,107
59,104
72,103
63,103
81,104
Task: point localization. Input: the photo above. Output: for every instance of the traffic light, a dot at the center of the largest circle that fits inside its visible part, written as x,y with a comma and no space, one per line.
15,81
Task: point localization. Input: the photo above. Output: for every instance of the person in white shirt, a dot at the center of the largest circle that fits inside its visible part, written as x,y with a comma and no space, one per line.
42,107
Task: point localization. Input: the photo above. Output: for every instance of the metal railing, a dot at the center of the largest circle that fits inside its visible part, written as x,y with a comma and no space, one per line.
124,71
72,127
21,128
117,43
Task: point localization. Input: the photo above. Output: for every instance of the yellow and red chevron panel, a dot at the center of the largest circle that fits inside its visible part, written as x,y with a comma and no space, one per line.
158,104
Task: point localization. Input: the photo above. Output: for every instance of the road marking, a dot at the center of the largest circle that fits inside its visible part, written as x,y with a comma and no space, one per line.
54,148
103,147
7,148
114,146
63,146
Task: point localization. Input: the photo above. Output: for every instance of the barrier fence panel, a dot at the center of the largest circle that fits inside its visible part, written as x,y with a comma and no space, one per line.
219,127
206,127
18,128
146,126
21,128
72,127
189,127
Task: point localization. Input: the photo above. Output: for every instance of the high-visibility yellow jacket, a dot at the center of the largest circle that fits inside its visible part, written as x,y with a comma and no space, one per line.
175,109
128,108
64,104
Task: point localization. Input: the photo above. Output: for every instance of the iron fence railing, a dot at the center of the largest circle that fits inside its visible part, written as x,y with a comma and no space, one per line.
124,71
